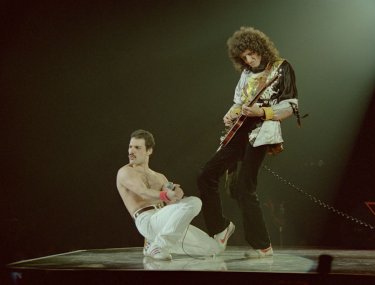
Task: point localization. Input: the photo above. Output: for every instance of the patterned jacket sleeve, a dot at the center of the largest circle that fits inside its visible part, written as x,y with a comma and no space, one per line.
235,109
287,94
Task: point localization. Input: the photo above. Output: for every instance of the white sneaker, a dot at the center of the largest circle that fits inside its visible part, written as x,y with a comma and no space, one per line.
259,253
222,238
146,245
156,252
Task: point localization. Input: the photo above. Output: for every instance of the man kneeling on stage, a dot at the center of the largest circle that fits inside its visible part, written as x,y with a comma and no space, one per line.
160,211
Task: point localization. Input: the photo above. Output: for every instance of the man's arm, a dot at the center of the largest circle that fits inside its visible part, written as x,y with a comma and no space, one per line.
176,194
282,109
130,180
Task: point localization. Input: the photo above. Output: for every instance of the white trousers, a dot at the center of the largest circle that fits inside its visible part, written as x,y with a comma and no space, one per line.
169,227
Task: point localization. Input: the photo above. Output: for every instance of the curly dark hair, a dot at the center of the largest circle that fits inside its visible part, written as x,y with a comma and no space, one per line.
253,40
147,136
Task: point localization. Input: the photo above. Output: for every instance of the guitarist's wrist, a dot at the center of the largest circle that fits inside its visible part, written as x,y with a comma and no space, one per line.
267,113
263,114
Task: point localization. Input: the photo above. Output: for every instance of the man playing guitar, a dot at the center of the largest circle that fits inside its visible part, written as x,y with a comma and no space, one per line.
265,95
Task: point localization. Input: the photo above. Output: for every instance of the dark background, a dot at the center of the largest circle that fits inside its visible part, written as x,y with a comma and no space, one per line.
77,78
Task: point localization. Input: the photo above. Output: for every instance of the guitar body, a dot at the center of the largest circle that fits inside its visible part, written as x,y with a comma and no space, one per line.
233,130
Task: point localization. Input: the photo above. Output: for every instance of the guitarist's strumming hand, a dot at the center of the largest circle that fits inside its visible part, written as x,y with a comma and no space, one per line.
253,111
229,120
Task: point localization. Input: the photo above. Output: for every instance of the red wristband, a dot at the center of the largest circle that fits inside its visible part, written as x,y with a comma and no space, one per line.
163,196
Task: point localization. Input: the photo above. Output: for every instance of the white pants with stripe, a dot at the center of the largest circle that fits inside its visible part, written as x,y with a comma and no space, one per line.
169,227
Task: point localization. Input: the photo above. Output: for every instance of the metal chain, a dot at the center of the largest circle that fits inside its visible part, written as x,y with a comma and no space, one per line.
318,201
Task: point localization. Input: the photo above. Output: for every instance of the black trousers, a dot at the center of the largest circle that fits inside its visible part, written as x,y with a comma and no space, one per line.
237,149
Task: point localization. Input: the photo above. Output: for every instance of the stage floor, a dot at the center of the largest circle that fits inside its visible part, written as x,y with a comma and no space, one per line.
299,262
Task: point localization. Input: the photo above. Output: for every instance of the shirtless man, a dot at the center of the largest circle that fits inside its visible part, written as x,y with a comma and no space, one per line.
161,214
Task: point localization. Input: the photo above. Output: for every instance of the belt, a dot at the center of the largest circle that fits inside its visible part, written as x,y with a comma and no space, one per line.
145,209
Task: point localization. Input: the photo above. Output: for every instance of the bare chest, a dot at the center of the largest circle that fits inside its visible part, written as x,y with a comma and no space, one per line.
152,180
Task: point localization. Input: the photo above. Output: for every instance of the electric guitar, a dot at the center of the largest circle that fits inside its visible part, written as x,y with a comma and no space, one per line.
241,119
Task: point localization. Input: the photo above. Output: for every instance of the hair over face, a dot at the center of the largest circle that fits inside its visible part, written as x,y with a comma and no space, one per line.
249,38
